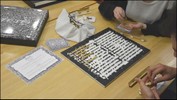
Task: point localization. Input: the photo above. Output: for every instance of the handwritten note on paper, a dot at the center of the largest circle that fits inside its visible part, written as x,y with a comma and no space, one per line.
33,64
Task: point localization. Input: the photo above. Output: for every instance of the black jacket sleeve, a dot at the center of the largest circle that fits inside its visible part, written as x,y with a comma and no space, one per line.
106,7
159,28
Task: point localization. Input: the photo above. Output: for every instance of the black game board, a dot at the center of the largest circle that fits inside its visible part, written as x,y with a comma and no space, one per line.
106,55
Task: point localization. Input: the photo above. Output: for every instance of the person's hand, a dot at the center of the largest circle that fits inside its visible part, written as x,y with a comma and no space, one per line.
119,13
167,73
126,26
137,25
147,92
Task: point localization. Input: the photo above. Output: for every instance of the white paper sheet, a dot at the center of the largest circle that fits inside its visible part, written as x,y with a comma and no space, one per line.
30,66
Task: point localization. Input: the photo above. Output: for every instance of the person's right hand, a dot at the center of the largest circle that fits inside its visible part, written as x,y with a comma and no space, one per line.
167,73
119,13
147,92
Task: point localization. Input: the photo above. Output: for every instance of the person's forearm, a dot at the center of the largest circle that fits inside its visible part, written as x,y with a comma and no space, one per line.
174,72
106,8
159,28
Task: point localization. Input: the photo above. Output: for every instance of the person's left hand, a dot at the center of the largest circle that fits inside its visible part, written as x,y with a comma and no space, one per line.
137,25
147,92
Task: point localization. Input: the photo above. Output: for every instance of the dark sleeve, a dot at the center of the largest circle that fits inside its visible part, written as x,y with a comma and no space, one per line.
106,7
159,28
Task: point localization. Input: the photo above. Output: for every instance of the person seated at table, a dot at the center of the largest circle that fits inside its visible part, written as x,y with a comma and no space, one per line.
149,15
167,73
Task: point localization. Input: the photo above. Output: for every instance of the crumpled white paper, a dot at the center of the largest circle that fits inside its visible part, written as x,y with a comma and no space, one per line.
69,31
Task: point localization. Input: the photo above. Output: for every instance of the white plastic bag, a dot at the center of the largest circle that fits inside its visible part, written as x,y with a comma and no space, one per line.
69,31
